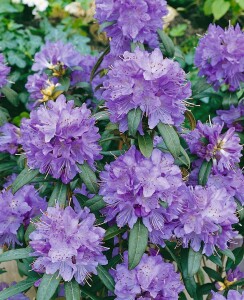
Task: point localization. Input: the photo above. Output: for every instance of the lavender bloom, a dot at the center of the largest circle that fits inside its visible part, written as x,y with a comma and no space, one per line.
234,275
134,187
4,71
19,296
59,136
147,81
56,57
219,56
62,243
208,143
232,295
207,216
18,209
131,21
41,88
9,138
151,279
230,116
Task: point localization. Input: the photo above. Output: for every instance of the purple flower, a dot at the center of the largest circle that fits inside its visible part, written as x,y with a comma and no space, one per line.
61,243
18,209
147,81
207,142
219,56
131,21
207,215
229,117
19,296
234,275
59,136
9,138
137,187
4,71
41,88
57,57
151,279
232,295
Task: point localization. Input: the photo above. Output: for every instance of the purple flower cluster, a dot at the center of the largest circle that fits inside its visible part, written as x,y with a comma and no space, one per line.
16,210
137,187
19,296
230,117
147,81
131,21
232,295
4,71
57,57
9,138
59,136
207,142
219,56
207,215
151,279
61,243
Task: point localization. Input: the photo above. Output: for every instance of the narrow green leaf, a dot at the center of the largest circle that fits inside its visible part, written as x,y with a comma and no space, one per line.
59,194
98,63
194,262
134,118
11,95
216,260
200,86
112,232
19,287
89,178
183,159
145,144
95,204
204,172
72,290
86,293
15,254
205,289
137,243
238,253
212,273
101,116
170,138
48,286
191,287
190,117
229,99
106,278
7,166
228,253
167,46
23,178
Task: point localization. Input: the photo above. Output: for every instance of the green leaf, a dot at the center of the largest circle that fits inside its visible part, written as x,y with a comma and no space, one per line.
65,84
238,253
194,262
207,8
15,254
98,63
89,178
190,117
86,293
113,153
101,116
17,58
170,138
241,3
59,194
216,260
95,204
72,290
23,178
11,95
212,273
228,253
167,46
204,172
145,144
137,243
178,30
205,289
200,86
112,232
191,287
48,286
19,287
240,209
7,166
183,158
220,8
229,99
106,278
134,119
4,115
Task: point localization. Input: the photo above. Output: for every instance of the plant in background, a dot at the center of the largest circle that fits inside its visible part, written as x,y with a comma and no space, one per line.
115,190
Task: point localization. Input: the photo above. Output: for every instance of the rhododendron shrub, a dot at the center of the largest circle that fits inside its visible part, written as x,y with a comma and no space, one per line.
111,189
